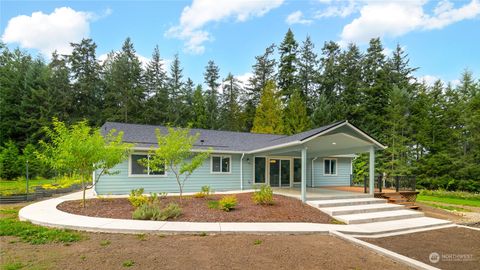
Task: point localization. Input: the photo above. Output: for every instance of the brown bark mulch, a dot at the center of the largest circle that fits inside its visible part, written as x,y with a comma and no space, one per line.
284,209
458,248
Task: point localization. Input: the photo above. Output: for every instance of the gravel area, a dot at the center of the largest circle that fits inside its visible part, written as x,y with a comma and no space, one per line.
284,209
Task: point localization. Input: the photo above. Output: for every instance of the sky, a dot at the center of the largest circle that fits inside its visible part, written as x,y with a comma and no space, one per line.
442,38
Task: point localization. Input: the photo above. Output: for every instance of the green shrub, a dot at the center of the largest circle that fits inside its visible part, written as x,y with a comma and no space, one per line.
163,195
212,204
128,263
227,203
263,196
146,211
172,211
137,198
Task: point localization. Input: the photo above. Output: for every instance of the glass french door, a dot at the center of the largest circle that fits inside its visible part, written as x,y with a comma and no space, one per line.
279,172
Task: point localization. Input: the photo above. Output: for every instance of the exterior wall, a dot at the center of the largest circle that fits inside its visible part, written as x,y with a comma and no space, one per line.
341,179
121,183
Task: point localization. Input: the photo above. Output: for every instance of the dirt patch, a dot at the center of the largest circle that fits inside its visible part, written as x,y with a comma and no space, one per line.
285,209
450,244
110,251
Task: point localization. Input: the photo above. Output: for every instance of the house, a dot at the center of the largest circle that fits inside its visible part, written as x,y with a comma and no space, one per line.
240,160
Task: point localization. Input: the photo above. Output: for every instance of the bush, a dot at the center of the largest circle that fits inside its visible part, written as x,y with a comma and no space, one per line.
263,196
152,211
227,203
172,211
11,165
136,197
146,211
205,192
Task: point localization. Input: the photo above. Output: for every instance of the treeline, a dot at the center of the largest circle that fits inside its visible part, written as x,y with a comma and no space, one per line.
432,131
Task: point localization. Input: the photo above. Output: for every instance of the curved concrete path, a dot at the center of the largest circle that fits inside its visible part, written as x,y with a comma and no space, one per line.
46,213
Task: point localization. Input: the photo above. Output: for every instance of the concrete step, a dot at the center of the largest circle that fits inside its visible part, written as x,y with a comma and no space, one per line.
378,216
362,208
345,202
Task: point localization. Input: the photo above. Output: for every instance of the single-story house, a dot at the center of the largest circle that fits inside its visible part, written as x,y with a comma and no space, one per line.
241,160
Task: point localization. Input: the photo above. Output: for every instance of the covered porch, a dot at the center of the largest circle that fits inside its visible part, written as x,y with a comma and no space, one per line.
316,160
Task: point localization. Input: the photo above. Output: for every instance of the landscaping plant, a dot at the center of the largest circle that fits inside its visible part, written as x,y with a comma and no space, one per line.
80,149
146,211
136,197
227,203
205,192
263,196
174,154
172,211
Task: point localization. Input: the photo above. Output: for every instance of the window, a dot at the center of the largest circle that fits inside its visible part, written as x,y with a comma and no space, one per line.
330,166
297,170
138,169
260,169
221,164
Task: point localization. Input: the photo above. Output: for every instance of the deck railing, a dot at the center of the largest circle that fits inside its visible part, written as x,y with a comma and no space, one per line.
397,182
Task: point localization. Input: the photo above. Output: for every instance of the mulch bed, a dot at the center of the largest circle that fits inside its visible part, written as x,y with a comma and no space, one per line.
284,209
459,248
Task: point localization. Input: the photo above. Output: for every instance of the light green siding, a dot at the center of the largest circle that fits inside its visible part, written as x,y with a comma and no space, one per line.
341,179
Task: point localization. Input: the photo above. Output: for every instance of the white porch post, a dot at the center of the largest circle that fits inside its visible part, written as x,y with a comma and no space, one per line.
304,175
371,171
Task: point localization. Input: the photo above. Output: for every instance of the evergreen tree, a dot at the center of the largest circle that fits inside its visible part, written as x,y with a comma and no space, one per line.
125,95
87,88
156,90
230,104
296,119
263,71
308,72
269,117
199,109
175,85
211,76
287,67
351,81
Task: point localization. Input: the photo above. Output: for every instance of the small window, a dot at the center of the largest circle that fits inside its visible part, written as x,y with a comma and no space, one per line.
260,169
297,170
136,168
330,166
220,164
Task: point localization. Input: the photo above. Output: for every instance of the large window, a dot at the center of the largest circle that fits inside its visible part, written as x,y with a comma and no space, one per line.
260,170
138,169
330,167
221,164
297,170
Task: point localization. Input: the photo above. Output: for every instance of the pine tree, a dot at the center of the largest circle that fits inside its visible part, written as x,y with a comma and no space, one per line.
263,71
59,87
296,119
230,104
125,95
269,117
287,67
211,76
156,90
175,85
308,73
87,88
350,63
199,109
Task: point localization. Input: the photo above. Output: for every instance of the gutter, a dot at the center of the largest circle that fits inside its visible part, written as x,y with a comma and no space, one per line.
313,178
241,171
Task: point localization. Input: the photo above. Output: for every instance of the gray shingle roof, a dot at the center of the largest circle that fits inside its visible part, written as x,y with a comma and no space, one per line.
144,136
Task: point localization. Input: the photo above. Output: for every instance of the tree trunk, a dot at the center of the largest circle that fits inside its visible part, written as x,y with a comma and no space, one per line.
84,191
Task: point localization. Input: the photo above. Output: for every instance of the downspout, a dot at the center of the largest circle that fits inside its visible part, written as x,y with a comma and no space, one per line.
93,184
313,178
241,171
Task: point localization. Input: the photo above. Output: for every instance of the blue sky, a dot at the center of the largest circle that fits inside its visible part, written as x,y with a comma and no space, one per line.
441,37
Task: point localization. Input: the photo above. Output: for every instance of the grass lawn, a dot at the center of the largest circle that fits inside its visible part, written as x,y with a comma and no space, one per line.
456,201
20,186
447,207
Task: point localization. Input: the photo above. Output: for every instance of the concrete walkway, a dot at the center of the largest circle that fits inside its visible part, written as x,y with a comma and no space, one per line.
46,213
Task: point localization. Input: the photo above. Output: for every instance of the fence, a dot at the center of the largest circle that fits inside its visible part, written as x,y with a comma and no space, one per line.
398,183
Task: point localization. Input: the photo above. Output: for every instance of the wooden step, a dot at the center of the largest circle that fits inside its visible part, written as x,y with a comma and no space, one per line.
410,205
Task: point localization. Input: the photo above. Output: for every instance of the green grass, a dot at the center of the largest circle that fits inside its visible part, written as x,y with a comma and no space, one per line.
257,242
456,201
128,263
452,194
8,187
13,266
33,234
447,207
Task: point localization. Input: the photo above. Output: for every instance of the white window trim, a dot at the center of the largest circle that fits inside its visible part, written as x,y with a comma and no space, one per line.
266,164
336,167
221,157
130,174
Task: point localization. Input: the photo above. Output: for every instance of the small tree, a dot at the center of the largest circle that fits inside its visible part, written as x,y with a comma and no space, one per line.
174,153
82,149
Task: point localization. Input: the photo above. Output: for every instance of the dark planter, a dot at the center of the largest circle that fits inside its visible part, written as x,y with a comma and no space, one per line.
17,198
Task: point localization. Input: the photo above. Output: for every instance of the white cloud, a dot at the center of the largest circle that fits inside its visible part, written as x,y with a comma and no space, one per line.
342,10
297,18
431,79
378,19
244,78
201,12
49,32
